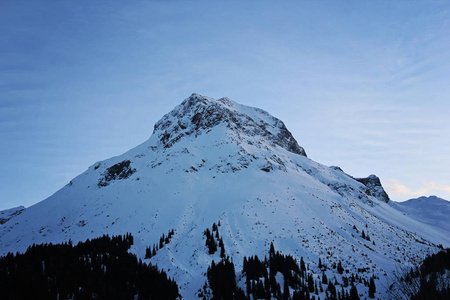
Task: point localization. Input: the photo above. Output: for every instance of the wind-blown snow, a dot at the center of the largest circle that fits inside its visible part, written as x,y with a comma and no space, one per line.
215,160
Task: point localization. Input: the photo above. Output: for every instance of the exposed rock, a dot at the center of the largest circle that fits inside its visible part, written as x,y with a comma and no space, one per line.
198,114
374,187
120,170
336,168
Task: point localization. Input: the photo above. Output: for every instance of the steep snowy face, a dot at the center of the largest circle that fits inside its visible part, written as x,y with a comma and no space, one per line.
198,115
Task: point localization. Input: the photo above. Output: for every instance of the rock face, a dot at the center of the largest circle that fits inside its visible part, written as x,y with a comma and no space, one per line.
198,115
118,171
374,187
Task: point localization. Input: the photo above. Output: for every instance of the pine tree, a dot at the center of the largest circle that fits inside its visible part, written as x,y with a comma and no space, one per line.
354,293
324,278
372,288
310,283
161,241
271,250
222,251
286,293
302,264
340,269
331,288
148,253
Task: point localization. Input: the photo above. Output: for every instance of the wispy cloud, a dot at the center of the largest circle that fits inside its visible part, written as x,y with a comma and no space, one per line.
395,188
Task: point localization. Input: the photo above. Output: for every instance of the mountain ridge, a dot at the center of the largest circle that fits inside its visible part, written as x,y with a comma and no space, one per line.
431,210
211,161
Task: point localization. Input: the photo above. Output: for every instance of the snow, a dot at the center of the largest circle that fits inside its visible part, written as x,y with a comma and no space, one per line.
188,178
431,210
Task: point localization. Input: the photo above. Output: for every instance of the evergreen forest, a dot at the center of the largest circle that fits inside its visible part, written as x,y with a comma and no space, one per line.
100,268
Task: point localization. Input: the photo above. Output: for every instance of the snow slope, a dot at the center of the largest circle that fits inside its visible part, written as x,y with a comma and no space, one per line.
214,160
431,210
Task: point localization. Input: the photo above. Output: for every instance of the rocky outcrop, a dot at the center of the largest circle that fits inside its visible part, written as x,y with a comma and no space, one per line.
6,215
121,170
374,187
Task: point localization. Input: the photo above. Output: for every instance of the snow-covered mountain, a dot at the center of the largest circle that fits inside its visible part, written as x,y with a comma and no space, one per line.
431,210
211,161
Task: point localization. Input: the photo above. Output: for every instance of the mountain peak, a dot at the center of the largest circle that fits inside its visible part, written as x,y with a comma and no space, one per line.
194,97
198,115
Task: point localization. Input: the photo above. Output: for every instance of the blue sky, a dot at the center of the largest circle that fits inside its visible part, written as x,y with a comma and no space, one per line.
361,84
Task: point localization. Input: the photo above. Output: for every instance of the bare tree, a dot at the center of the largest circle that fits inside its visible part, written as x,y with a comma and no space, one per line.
401,285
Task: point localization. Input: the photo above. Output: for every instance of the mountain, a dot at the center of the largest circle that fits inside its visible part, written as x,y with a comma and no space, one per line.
214,161
431,210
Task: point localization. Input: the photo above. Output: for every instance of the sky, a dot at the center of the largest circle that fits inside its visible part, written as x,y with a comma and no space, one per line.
364,85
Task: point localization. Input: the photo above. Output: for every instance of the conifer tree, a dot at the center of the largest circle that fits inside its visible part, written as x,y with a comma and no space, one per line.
286,293
302,264
340,269
324,278
372,288
331,288
354,293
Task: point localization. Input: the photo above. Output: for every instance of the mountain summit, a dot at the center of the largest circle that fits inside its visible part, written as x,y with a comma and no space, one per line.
212,162
198,115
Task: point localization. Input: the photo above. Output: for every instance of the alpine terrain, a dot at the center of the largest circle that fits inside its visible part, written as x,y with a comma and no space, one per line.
218,179
431,210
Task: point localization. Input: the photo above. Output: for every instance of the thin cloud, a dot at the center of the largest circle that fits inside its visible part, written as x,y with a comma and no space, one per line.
397,188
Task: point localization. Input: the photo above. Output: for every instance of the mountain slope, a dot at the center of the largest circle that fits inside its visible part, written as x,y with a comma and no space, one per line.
431,210
214,160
